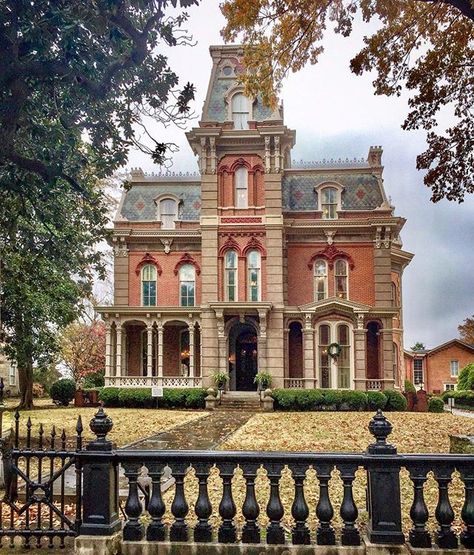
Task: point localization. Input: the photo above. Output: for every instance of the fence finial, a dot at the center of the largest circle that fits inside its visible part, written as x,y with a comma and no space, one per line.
380,428
101,424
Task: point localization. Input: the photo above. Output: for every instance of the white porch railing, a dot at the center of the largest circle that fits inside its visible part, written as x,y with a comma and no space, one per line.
378,385
299,383
149,381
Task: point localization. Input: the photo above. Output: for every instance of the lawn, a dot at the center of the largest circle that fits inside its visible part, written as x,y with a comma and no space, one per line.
342,431
128,424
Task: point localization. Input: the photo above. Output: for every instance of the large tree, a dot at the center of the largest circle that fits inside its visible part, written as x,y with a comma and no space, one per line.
425,46
78,80
466,330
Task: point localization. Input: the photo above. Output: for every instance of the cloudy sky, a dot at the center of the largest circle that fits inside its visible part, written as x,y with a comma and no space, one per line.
335,114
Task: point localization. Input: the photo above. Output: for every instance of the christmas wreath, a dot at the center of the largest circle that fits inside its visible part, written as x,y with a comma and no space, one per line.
334,350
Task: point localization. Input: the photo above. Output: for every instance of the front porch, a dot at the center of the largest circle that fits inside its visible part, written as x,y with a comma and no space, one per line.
146,350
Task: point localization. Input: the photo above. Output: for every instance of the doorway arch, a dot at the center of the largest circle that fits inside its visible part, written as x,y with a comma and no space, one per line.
243,357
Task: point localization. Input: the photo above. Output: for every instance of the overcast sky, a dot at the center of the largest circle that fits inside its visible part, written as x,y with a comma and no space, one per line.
335,114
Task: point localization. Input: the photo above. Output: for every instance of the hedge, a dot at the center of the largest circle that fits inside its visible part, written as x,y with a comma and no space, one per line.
141,398
435,404
332,399
462,399
63,391
395,400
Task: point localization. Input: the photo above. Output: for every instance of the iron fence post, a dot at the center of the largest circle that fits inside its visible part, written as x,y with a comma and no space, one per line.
100,494
383,488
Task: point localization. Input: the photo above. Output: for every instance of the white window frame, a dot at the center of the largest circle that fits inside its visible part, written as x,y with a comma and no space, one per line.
142,272
449,386
422,370
333,336
227,271
259,276
346,265
325,280
158,202
181,270
233,113
319,191
241,183
451,368
12,375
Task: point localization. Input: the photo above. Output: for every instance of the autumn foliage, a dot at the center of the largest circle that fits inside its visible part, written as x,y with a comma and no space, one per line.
83,349
424,46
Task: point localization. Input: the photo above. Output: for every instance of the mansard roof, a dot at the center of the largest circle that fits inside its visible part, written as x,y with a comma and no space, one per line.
361,189
227,66
139,202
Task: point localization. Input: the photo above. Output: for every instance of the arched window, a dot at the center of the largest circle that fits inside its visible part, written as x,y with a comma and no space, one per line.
240,111
340,279
320,280
343,360
168,213
149,285
323,355
241,187
230,278
253,269
329,203
187,279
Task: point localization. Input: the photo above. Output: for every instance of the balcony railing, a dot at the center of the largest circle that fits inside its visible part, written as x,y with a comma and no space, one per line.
299,383
150,381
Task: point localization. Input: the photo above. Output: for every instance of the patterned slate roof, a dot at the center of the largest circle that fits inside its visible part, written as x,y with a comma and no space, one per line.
139,203
217,110
361,191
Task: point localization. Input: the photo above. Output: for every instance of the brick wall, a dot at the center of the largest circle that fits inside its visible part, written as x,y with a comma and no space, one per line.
438,366
167,283
300,277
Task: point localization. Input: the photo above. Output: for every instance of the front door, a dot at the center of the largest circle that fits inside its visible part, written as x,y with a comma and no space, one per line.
246,360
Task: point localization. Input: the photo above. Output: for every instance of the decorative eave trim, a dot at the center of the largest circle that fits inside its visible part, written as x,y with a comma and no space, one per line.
148,259
230,245
330,254
254,244
187,259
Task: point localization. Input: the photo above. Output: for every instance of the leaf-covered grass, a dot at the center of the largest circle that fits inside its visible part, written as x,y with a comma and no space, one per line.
347,431
128,424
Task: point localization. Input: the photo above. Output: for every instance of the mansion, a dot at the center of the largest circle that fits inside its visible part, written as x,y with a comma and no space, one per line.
256,264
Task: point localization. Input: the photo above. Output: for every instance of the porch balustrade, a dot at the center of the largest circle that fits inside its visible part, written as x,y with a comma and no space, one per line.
149,381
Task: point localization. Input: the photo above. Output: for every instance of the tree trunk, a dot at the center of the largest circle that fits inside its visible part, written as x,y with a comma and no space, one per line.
25,378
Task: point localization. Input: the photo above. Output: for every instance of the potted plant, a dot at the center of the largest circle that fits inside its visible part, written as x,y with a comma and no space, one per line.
263,381
220,380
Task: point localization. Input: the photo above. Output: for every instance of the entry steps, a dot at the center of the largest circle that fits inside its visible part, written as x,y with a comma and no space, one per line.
240,401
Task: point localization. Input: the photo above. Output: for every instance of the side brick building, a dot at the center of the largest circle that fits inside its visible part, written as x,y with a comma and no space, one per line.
255,263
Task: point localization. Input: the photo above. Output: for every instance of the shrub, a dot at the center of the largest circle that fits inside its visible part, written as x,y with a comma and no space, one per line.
376,400
38,390
110,396
63,391
93,380
332,398
395,400
464,399
318,399
435,404
354,400
285,399
195,398
409,387
466,378
135,397
173,398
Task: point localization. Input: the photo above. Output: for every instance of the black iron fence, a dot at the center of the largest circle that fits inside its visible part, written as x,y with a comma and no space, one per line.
146,514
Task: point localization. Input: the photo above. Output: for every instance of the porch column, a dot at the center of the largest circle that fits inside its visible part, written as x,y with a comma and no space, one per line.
108,350
223,365
160,350
262,341
118,347
308,352
149,350
360,353
191,349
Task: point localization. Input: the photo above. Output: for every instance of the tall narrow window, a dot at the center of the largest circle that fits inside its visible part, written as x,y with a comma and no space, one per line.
323,355
340,278
454,368
149,285
343,360
253,268
241,187
320,280
231,261
168,213
418,377
240,111
329,203
187,279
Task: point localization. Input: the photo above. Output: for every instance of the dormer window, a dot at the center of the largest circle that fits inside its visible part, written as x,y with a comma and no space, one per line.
240,111
241,187
329,202
168,213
